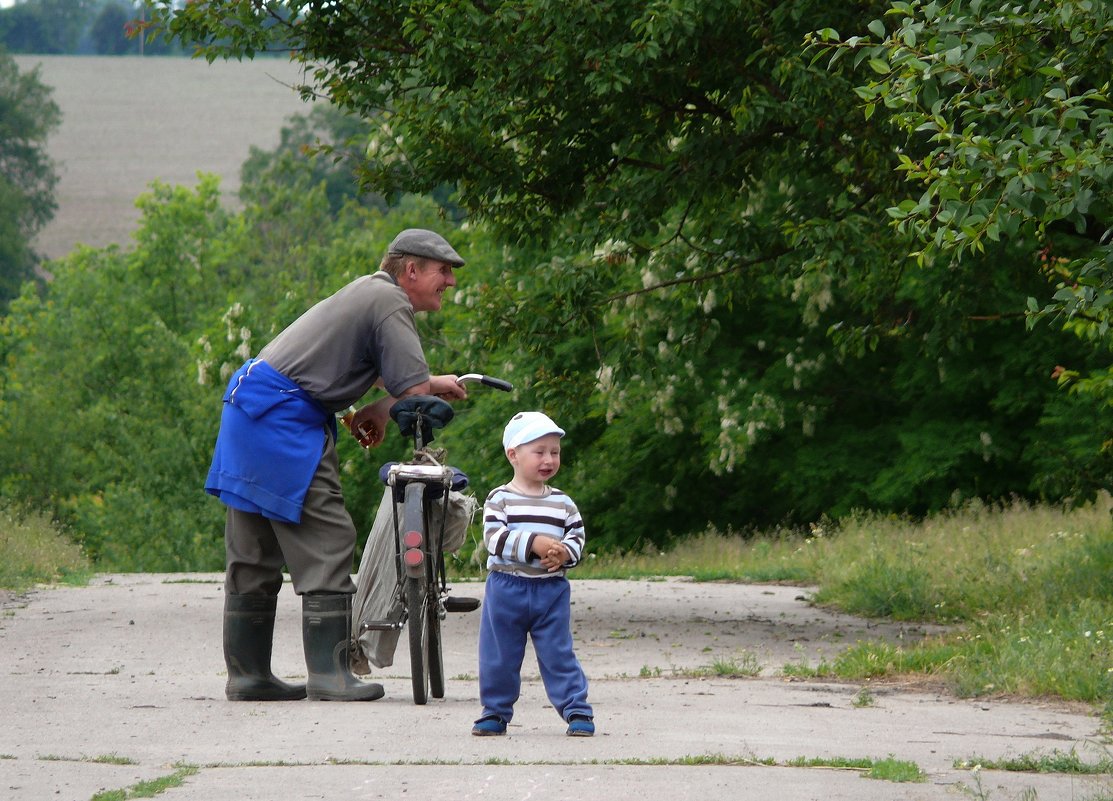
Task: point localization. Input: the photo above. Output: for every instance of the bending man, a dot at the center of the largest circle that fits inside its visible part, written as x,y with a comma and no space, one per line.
275,464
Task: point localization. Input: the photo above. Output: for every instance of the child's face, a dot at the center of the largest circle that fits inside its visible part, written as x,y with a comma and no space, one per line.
536,461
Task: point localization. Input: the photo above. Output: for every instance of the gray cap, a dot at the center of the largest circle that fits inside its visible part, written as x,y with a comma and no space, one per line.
427,245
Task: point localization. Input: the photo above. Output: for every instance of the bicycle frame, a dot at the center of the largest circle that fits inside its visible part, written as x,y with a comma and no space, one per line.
414,481
422,583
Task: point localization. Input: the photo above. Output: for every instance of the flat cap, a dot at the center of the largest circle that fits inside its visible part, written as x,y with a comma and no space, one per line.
427,245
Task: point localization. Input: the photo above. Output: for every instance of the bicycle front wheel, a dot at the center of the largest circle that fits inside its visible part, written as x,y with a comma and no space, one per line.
434,651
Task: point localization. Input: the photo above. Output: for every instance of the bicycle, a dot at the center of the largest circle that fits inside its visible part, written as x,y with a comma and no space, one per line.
421,598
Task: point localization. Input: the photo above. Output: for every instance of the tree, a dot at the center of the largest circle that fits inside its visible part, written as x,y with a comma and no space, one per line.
81,27
44,26
110,341
27,175
109,30
1012,111
325,144
702,270
136,346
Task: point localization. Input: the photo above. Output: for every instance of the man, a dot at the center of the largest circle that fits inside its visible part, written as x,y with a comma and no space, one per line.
275,464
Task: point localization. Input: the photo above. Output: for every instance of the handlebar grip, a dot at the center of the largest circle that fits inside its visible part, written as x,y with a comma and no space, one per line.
486,380
497,383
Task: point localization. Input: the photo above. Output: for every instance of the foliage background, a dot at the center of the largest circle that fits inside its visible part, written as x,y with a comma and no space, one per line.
680,243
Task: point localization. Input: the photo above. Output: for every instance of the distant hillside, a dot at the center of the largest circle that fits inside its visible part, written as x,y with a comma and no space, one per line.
128,121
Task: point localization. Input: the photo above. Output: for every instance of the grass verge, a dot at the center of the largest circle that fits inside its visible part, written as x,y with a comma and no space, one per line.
889,769
1025,590
1041,762
149,789
34,550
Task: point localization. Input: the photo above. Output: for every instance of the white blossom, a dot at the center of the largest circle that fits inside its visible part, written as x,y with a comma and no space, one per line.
604,378
709,301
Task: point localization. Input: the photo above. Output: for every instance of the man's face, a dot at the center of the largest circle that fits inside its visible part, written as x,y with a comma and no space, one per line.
425,283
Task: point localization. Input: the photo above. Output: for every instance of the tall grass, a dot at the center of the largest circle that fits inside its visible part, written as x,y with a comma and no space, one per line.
773,557
959,565
1032,588
34,550
1027,589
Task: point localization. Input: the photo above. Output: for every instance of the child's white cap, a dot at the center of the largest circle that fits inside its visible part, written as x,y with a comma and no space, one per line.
526,427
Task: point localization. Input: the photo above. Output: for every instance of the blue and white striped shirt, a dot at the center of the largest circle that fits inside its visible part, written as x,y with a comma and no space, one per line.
511,522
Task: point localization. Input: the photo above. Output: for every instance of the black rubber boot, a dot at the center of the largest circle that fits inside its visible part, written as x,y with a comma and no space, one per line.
248,638
326,625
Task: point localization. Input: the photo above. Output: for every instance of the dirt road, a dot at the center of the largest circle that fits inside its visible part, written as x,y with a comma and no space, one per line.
122,682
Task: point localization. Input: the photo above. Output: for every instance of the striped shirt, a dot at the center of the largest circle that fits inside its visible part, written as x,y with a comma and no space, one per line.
512,521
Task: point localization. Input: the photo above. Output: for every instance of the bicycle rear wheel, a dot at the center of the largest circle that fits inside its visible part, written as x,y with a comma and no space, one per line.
436,587
418,625
417,596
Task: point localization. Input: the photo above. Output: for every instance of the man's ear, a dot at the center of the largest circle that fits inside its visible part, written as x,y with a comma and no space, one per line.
405,274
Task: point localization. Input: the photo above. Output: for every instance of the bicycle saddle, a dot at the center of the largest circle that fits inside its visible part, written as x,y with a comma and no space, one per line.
429,409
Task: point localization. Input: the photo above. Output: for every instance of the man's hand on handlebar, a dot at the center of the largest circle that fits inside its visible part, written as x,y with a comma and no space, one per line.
447,387
368,425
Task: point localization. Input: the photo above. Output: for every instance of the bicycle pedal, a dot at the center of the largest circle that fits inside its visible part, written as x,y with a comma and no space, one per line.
456,603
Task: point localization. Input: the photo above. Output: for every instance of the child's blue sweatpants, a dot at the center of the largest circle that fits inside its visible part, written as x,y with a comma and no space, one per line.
514,607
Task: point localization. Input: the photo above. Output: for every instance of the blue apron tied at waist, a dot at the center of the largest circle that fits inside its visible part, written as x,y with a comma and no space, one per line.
270,443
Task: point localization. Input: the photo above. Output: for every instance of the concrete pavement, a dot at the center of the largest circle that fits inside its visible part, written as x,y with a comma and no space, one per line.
121,682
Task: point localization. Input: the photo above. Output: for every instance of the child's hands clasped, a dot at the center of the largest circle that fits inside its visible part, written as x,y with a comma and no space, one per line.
553,553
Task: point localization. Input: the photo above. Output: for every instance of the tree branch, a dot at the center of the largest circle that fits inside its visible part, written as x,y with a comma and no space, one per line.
695,279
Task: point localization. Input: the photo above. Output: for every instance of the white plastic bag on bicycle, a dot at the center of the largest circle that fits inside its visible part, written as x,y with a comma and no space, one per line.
376,597
457,514
376,594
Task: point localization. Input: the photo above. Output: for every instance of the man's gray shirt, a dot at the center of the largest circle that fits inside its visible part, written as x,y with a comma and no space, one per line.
342,345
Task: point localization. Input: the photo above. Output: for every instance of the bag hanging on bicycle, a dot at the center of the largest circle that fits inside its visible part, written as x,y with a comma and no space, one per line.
376,598
458,511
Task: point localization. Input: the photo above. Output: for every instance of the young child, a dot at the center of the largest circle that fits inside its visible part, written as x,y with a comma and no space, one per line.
533,533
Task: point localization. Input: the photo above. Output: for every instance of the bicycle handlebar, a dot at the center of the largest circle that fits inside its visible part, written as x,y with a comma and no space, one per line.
407,406
486,380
